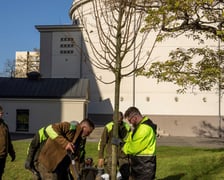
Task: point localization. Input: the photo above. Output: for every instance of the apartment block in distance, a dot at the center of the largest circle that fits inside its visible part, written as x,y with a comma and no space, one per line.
26,62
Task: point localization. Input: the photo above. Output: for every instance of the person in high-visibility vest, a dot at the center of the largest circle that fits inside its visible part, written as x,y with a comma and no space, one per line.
141,145
33,150
105,148
58,145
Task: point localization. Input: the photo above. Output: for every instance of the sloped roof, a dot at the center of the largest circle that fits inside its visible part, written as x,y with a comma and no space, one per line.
44,88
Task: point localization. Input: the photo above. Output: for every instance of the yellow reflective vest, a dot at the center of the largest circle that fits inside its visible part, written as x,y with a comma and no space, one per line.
142,141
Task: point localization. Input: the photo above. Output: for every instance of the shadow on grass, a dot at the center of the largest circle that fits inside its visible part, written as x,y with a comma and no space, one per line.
173,177
214,150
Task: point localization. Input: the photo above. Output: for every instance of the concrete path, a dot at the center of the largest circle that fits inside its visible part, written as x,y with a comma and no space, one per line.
174,140
161,141
191,141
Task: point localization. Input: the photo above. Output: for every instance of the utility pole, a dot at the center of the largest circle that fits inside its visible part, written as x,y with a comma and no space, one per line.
220,90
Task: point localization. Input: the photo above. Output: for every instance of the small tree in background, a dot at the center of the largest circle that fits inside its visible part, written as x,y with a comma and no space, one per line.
117,25
10,68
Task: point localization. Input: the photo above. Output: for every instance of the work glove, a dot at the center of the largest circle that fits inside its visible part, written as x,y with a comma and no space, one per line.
13,157
117,141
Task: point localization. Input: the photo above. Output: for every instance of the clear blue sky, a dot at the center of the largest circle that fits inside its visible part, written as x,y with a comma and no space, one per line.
18,19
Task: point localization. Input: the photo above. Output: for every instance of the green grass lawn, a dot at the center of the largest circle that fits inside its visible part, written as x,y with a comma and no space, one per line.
173,163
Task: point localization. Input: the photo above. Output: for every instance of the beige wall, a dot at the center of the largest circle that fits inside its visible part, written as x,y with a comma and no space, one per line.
43,112
177,125
73,110
188,125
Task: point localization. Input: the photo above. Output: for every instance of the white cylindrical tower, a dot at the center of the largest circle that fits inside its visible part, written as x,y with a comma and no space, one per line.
157,100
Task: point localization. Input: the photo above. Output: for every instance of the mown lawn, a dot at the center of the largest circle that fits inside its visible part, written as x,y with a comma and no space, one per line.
173,163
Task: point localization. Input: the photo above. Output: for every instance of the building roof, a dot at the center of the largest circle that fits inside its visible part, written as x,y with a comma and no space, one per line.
57,28
44,88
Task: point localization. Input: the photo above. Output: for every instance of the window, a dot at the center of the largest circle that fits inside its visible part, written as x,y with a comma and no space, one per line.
22,120
67,52
67,39
66,45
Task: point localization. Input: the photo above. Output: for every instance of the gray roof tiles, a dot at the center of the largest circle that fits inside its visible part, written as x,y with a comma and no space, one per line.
44,88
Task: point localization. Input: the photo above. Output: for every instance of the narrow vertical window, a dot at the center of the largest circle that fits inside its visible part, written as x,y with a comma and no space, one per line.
22,120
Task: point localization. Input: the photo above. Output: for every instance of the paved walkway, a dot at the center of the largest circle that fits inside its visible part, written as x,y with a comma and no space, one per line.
186,141
175,140
161,141
191,141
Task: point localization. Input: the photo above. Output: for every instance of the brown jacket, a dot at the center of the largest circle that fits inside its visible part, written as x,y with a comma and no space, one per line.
53,151
5,141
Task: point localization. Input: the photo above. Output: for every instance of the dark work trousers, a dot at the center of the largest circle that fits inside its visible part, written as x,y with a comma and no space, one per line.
143,167
2,166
